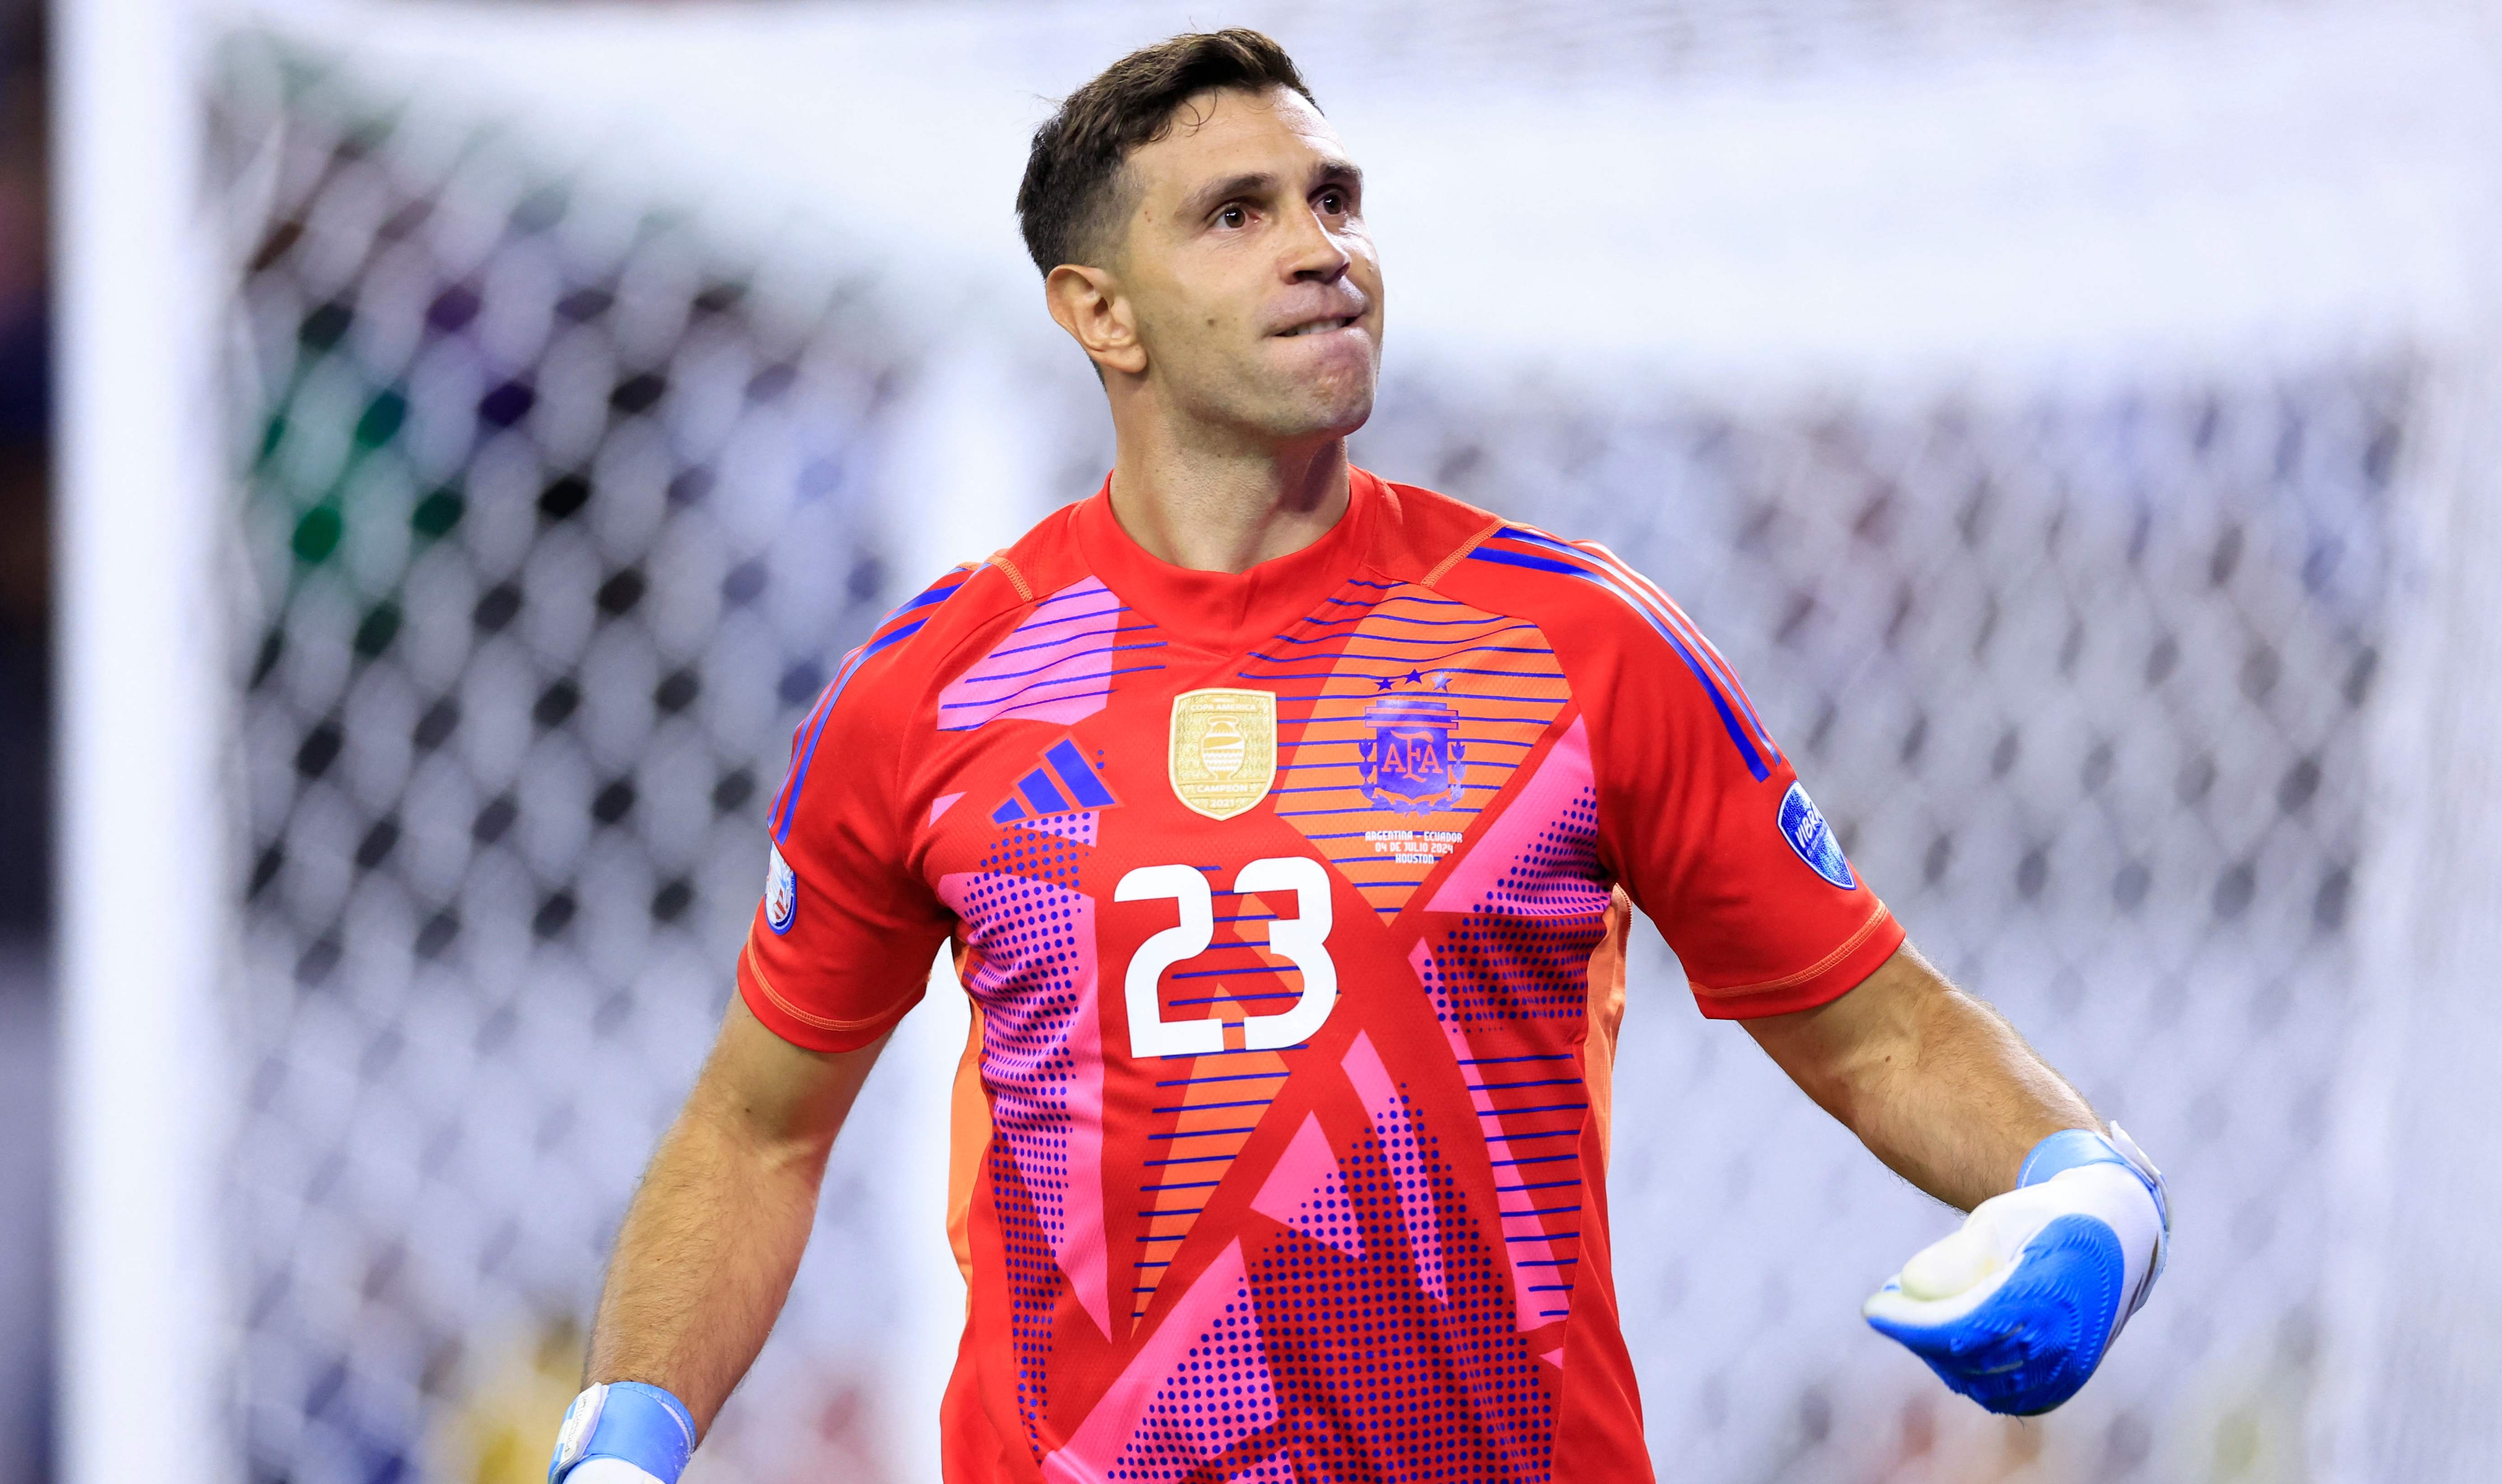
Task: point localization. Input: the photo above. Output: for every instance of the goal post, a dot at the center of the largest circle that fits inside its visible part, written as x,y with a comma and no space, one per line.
2413,1285
144,916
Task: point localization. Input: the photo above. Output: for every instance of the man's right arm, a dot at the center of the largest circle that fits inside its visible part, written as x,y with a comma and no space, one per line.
838,951
715,1231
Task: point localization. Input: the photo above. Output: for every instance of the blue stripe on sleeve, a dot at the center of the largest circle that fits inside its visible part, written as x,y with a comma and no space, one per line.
1719,701
1718,667
882,638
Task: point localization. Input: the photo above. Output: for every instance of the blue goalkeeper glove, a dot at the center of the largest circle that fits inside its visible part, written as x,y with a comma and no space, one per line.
2016,1308
622,1432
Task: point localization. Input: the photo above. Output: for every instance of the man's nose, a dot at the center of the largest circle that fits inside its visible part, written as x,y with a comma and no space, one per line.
1315,254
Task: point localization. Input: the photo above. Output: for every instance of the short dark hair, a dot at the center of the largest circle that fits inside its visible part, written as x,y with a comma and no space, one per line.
1072,194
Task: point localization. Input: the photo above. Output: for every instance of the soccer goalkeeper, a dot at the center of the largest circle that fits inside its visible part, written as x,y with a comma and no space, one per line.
1287,823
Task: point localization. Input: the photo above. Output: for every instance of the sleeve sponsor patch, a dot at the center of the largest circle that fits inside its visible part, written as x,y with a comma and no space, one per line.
781,892
1804,826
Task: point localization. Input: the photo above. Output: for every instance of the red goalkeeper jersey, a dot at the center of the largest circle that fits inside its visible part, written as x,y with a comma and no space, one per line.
1292,905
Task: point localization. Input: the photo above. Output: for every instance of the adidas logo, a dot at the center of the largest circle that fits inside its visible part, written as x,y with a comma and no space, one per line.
1065,782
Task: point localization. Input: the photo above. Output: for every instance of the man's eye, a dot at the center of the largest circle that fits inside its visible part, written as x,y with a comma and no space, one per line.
1333,203
1231,215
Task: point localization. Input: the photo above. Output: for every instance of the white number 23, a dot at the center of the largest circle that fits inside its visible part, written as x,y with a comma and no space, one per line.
1303,939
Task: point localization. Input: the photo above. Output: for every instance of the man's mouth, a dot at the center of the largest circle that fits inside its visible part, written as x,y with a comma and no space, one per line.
1321,326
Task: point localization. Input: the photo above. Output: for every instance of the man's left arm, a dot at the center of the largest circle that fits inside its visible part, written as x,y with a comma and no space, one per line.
2068,1220
1931,1080
1706,826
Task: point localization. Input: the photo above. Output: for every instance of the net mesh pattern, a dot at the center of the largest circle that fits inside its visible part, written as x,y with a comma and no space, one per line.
554,518
553,515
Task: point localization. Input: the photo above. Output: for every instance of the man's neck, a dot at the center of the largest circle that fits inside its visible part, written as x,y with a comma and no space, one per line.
1229,512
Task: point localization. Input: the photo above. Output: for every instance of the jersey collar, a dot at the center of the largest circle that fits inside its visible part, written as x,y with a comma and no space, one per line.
1225,613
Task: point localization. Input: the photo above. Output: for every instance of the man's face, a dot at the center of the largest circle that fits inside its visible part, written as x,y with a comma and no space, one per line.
1246,262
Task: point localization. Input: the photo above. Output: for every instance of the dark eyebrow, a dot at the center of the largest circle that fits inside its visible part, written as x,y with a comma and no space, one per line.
1342,172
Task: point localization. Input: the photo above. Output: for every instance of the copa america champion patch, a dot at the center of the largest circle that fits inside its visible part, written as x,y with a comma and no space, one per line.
1804,826
1224,749
781,893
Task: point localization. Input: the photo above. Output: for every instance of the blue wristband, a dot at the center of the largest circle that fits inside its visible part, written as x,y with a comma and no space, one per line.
629,1421
2066,1150
2072,1148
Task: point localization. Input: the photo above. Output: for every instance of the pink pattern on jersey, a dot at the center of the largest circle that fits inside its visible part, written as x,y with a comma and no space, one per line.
1078,826
1395,1126
1080,1243
1531,899
1034,971
1199,1384
1528,1172
1540,814
1055,666
941,804
1307,1191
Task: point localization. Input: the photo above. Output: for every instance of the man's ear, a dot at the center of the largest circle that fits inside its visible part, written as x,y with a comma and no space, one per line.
1089,306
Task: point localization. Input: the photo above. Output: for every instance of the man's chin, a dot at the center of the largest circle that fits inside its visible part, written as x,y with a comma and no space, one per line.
1305,405
1335,417
1333,401
1344,420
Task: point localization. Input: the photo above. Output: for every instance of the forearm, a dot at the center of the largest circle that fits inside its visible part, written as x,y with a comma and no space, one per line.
705,1259
1958,1112
712,1238
1944,1091
1933,1081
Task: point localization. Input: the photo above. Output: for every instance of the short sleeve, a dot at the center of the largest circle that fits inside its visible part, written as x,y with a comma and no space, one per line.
1713,835
842,943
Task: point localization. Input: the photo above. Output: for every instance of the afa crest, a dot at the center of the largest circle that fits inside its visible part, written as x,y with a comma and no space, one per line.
1412,764
1224,749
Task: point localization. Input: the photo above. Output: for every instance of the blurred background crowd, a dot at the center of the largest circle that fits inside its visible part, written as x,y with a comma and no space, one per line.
2061,414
